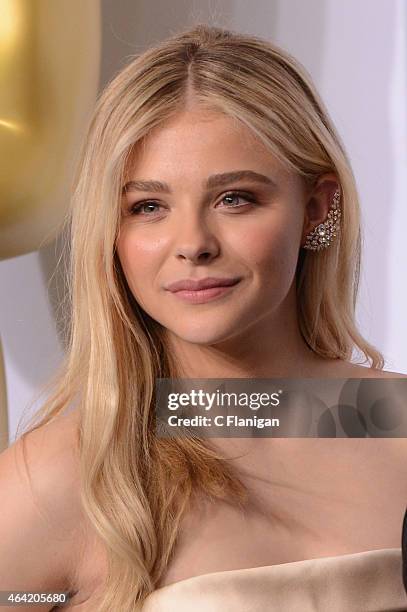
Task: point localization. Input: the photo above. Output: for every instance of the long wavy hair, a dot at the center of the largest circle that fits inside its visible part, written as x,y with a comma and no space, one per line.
135,486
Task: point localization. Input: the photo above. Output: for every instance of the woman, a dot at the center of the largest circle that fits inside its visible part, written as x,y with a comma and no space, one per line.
210,156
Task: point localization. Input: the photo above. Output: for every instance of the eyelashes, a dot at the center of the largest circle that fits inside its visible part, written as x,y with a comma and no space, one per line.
139,208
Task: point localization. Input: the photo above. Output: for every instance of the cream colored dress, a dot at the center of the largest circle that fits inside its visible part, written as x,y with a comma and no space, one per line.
368,581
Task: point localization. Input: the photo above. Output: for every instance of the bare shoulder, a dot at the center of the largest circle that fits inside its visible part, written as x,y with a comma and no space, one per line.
48,458
353,370
44,463
389,374
41,515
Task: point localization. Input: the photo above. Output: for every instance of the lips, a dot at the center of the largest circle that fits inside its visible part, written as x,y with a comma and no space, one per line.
197,285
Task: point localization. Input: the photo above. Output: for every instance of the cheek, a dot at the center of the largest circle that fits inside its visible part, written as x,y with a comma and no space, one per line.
138,254
271,248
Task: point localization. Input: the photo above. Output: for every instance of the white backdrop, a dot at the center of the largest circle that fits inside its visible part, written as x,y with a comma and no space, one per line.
356,52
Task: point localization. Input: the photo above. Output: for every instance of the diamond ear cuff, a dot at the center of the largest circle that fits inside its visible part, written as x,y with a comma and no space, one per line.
323,234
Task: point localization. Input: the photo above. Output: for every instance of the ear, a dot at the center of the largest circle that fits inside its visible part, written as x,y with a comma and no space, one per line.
318,202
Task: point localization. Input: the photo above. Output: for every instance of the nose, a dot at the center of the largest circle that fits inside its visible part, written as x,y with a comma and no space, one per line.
195,241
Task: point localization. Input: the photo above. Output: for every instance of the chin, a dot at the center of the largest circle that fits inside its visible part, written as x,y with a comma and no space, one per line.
203,335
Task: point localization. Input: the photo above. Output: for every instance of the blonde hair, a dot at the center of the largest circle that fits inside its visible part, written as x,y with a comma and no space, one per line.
136,487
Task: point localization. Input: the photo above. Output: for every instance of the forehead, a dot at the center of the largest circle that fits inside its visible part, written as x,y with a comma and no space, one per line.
199,140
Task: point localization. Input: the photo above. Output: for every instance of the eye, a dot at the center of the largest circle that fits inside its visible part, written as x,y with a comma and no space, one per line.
233,195
139,207
146,207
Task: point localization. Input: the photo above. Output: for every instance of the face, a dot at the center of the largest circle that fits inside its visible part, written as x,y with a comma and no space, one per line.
205,222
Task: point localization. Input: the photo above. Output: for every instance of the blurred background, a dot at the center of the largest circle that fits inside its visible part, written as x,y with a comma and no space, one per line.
356,52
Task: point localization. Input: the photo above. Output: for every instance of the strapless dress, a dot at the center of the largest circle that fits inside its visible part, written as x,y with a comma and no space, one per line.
367,581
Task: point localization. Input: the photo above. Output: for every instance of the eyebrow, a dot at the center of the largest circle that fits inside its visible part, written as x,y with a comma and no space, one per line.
215,180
